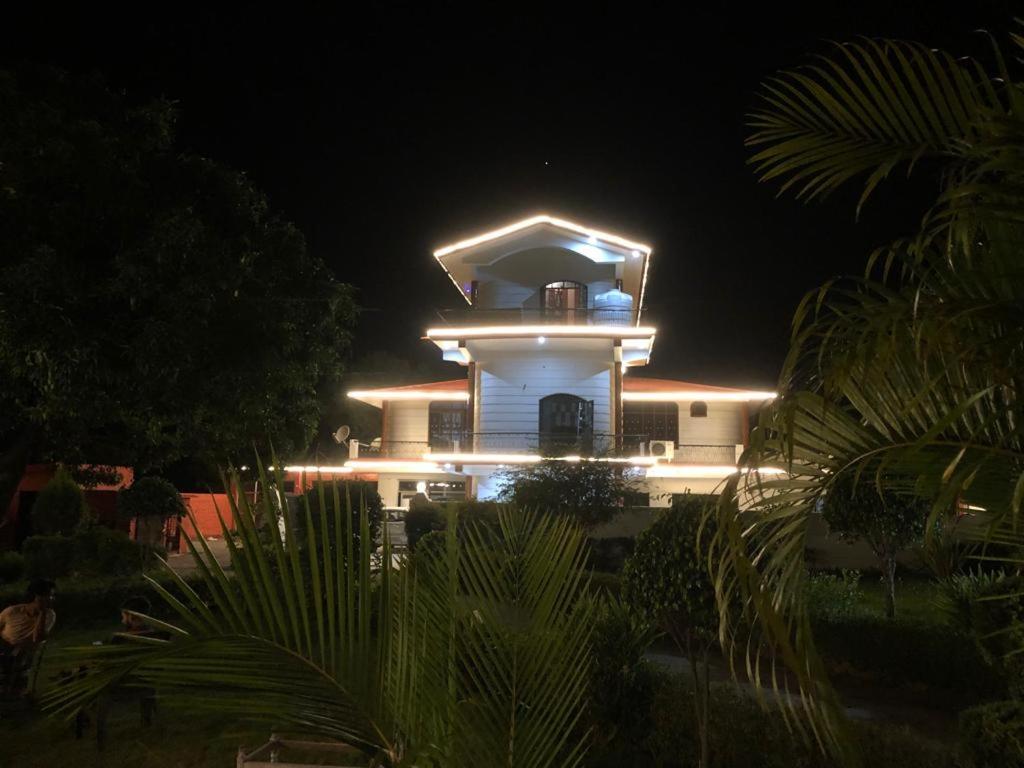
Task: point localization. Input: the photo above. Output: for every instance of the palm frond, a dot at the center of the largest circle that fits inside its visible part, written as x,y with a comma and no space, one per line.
474,653
866,109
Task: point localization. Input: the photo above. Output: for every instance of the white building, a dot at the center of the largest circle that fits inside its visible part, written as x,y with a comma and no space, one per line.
551,334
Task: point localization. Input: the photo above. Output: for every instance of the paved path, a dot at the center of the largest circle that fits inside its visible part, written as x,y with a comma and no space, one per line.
184,565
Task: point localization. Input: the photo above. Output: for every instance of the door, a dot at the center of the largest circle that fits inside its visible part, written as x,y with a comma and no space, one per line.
564,301
566,425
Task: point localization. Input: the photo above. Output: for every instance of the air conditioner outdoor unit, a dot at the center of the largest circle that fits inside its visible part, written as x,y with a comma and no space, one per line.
661,449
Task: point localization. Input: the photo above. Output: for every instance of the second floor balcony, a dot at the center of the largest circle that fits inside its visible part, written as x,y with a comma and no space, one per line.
536,316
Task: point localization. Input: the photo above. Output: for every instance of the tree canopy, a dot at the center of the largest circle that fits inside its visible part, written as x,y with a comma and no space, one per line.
591,492
152,306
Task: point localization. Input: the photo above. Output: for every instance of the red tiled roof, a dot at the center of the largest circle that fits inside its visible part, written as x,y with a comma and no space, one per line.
643,384
454,385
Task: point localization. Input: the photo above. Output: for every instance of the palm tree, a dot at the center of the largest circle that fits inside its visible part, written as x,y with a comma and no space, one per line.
473,652
910,377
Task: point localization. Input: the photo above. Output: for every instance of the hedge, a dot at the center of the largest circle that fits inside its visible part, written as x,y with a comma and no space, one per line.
87,602
899,652
743,735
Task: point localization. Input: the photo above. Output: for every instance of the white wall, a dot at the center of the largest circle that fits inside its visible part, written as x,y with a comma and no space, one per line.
515,280
722,426
511,388
408,420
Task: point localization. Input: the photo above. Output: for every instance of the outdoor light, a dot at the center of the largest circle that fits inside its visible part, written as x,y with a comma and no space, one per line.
541,219
583,331
636,254
541,339
696,394
399,394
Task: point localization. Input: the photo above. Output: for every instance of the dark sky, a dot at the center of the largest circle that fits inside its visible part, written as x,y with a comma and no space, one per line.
385,134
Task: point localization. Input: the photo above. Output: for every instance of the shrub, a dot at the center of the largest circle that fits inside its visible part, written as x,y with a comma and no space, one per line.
424,517
99,551
993,734
59,506
666,580
92,601
745,735
907,653
47,557
989,607
592,492
610,555
150,501
621,679
833,596
358,493
12,566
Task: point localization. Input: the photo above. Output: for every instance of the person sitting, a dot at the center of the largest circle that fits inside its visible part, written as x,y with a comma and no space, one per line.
132,625
23,628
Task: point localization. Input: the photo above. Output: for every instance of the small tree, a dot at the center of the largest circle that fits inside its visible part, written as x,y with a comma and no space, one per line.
887,523
150,501
667,581
592,492
59,507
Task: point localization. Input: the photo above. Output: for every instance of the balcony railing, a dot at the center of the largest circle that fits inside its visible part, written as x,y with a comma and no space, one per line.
545,444
527,316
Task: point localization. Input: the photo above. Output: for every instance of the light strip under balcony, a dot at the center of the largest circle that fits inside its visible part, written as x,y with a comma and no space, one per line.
548,331
705,471
695,394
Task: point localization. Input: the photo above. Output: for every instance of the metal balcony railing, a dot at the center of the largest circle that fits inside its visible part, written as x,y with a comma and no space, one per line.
545,444
534,316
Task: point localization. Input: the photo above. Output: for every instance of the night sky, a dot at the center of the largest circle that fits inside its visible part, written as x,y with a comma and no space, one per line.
385,135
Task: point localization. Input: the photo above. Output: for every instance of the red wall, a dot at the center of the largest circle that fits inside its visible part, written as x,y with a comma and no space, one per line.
204,507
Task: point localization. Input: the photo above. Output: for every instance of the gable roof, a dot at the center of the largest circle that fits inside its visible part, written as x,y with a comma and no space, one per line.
632,259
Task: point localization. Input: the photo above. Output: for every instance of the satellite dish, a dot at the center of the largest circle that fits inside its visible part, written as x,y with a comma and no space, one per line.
341,434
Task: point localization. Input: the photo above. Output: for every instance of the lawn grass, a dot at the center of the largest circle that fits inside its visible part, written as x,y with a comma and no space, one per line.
177,738
916,599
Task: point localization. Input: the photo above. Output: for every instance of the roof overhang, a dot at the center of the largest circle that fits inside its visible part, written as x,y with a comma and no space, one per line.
632,259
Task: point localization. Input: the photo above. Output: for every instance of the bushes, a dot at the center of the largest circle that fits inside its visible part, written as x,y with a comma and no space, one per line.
99,551
87,602
610,555
91,551
425,517
902,653
833,596
321,507
993,734
47,557
744,735
150,501
12,566
59,507
621,679
990,607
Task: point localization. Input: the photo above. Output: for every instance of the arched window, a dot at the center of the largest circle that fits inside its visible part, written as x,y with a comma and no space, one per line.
566,425
563,299
698,409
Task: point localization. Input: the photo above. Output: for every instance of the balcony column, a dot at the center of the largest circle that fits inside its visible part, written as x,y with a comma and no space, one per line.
471,407
617,416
